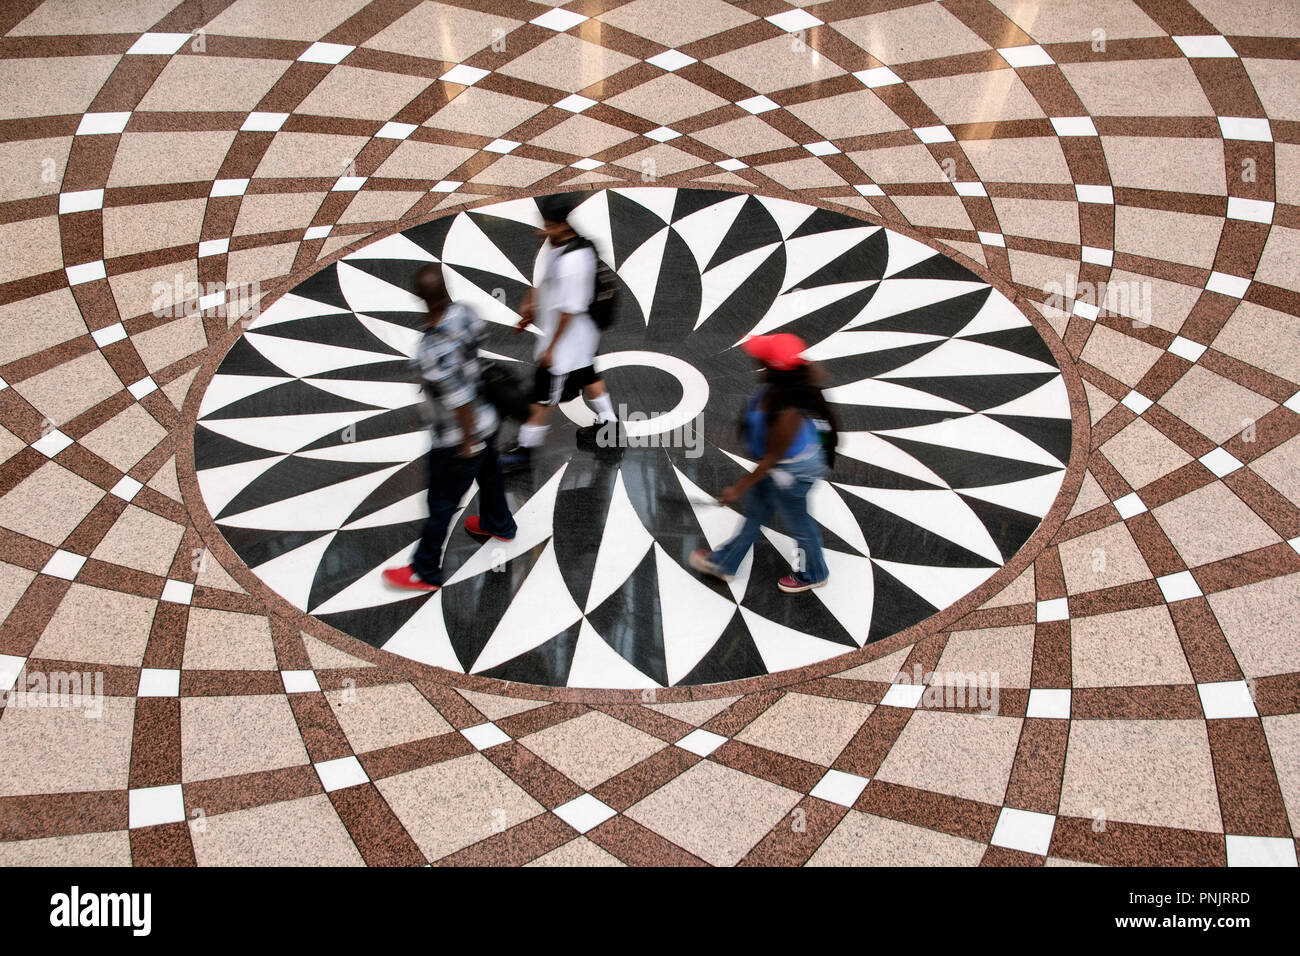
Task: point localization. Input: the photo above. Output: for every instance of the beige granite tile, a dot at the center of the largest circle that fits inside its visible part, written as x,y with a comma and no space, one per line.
480,111
32,167
143,159
440,31
583,136
1120,355
919,32
83,849
1050,219
566,62
52,86
1281,468
207,83
26,509
373,205
65,391
1142,454
361,94
1215,406
674,23
142,540
1033,159
1275,82
1128,648
592,748
1283,734
1177,165
696,711
743,137
1212,523
579,852
1279,264
899,164
1138,88
415,160
1019,591
302,832
32,247
810,728
1004,651
323,155
273,212
849,114
1263,337
34,324
1066,21
775,64
960,754
66,749
126,437
810,173
228,640
516,171
227,736
944,212
265,18
1102,559
98,625
996,96
864,839
13,583
1259,622
666,99
1169,236
383,716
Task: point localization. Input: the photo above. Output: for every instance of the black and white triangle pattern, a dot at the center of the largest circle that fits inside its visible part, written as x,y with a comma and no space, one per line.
956,436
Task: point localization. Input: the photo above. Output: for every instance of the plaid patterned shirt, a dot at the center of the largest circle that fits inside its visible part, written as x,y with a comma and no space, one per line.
447,365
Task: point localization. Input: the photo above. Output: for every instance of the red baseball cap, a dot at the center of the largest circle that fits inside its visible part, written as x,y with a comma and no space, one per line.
781,351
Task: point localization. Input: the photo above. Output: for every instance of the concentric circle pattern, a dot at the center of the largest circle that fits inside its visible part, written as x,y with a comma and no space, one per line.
955,420
1126,173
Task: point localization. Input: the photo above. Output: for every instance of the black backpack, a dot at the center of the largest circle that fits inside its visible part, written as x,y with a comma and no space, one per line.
604,297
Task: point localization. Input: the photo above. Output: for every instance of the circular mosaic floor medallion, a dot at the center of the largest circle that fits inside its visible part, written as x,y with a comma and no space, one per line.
956,438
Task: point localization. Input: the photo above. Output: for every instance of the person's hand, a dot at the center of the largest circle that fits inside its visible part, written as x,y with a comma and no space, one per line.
547,356
730,495
523,324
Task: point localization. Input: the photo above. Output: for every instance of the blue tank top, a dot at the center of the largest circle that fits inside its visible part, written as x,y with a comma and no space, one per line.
756,430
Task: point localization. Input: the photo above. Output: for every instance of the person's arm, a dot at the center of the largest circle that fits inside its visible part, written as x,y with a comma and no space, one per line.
465,416
779,439
526,310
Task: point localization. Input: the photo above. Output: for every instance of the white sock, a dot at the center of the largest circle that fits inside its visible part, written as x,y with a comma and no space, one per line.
532,436
603,407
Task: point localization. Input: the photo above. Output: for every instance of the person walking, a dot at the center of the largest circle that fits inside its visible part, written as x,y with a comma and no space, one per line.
566,348
463,426
782,427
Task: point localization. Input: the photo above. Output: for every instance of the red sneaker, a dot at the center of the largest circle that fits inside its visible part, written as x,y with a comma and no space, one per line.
407,578
475,527
792,585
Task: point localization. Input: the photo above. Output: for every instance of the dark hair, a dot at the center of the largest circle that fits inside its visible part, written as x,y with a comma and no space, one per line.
795,388
556,208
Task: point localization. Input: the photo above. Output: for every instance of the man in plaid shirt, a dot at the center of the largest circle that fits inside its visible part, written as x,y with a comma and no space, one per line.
463,428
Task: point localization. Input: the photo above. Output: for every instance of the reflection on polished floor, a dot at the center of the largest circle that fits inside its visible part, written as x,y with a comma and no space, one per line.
1046,252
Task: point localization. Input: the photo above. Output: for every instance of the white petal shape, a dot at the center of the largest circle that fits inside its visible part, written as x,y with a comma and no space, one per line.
783,648
996,315
623,543
596,664
227,389
899,296
382,394
807,254
396,246
942,587
289,307
467,245
704,229
849,593
719,523
864,446
1049,400
861,343
641,270
591,219
396,448
904,252
540,609
871,391
830,511
658,201
371,590
488,306
291,574
800,302
962,357
535,520
694,616
304,359
1032,496
979,434
789,216
324,509
424,638
286,433
939,511
717,285
391,334
368,293
220,485
518,210
414,507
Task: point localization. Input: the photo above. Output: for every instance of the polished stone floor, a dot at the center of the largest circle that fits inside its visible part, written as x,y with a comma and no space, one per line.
1046,251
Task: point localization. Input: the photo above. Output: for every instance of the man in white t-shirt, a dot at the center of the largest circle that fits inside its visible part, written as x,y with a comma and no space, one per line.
566,349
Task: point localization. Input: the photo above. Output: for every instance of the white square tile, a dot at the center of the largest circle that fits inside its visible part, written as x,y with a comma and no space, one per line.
879,76
1097,256
159,682
211,301
1130,505
821,148
758,104
1293,403
1246,127
576,103
1260,851
325,52
993,239
870,189
1205,46
3,384
213,247
1295,544
109,334
1085,310
264,122
93,124
341,773
587,164
584,812
840,787
1049,702
501,146
1186,348
701,742
228,187
299,682
464,75
81,201
1251,210
1057,609
1225,284
731,165
63,564
791,21
178,592
10,669
559,20
126,488
1223,700
906,696
483,736
142,388
316,232
51,443
1024,830
446,186
970,189
934,134
158,43
349,184
1178,587
1136,402
671,60
1094,193
391,130
662,134
1019,56
1074,126
151,806
86,272
1220,462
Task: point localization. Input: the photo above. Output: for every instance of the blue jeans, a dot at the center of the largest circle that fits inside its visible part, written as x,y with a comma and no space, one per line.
449,478
791,502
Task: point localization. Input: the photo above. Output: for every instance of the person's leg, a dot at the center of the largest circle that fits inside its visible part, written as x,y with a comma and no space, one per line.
758,508
449,479
792,503
598,399
494,510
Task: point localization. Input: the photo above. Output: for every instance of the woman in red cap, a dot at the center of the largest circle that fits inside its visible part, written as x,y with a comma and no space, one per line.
783,425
